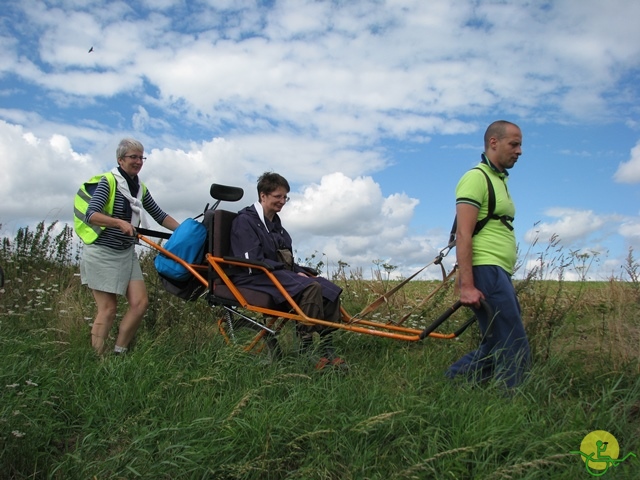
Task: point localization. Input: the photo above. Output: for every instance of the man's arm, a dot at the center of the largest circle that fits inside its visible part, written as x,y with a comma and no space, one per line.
467,216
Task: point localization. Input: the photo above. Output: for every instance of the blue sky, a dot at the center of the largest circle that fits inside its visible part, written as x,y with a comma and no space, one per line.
371,109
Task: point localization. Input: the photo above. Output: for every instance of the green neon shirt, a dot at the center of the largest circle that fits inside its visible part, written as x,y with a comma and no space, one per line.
495,244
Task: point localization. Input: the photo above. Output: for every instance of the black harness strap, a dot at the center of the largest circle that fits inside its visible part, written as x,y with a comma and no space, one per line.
491,214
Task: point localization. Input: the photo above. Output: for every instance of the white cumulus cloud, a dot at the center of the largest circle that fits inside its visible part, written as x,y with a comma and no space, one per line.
629,172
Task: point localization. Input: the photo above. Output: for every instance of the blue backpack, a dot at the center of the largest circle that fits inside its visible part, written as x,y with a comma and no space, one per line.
187,242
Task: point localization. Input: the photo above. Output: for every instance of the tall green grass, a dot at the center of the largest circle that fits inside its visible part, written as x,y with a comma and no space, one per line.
183,404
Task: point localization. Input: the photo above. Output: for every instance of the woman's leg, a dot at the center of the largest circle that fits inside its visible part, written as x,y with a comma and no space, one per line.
138,303
310,302
107,304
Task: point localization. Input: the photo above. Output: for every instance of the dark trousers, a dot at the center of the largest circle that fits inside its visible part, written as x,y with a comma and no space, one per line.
314,305
504,352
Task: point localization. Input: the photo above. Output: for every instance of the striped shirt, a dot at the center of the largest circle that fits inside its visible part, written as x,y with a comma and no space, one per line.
113,237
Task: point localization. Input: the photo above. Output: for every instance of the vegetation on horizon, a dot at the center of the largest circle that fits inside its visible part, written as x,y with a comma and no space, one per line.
183,404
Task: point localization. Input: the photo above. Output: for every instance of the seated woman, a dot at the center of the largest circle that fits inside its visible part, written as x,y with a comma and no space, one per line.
257,234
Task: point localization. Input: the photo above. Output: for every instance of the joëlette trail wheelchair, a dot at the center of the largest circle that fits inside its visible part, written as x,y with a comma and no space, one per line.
244,308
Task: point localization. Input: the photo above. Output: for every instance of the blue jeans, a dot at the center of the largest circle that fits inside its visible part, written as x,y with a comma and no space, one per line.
504,352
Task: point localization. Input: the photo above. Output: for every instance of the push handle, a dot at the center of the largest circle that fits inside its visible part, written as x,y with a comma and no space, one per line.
151,233
450,311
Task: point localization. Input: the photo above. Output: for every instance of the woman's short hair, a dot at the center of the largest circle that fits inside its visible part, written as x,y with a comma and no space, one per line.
270,182
127,144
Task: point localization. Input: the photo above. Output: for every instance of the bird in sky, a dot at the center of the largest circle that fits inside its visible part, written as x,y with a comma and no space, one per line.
91,50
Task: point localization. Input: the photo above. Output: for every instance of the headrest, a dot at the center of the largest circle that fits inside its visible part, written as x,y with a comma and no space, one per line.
226,193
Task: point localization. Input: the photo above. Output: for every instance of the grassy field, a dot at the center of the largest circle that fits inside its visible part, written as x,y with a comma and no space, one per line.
183,404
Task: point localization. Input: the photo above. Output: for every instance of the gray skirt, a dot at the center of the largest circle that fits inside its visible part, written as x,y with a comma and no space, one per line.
109,270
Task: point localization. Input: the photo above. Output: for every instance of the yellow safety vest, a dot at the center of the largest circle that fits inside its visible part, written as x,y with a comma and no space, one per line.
89,233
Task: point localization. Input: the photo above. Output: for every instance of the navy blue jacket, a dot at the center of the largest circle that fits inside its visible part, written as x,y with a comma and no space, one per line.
253,239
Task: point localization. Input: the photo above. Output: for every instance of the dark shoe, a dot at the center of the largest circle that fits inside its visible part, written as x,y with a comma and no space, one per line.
330,352
322,363
339,363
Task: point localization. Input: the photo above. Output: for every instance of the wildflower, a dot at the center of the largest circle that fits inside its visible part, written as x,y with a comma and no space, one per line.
17,434
33,384
13,385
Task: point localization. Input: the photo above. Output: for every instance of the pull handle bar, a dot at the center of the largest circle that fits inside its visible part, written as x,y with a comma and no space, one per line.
450,311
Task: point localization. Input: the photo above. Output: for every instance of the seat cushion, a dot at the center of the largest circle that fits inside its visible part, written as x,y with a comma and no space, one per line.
254,297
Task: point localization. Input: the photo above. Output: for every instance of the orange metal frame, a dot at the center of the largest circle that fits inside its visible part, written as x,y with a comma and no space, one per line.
349,323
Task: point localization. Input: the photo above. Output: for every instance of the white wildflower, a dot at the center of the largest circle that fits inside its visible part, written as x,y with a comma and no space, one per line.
17,434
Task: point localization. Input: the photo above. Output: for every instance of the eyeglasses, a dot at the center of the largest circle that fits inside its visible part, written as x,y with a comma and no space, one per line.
135,157
285,198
